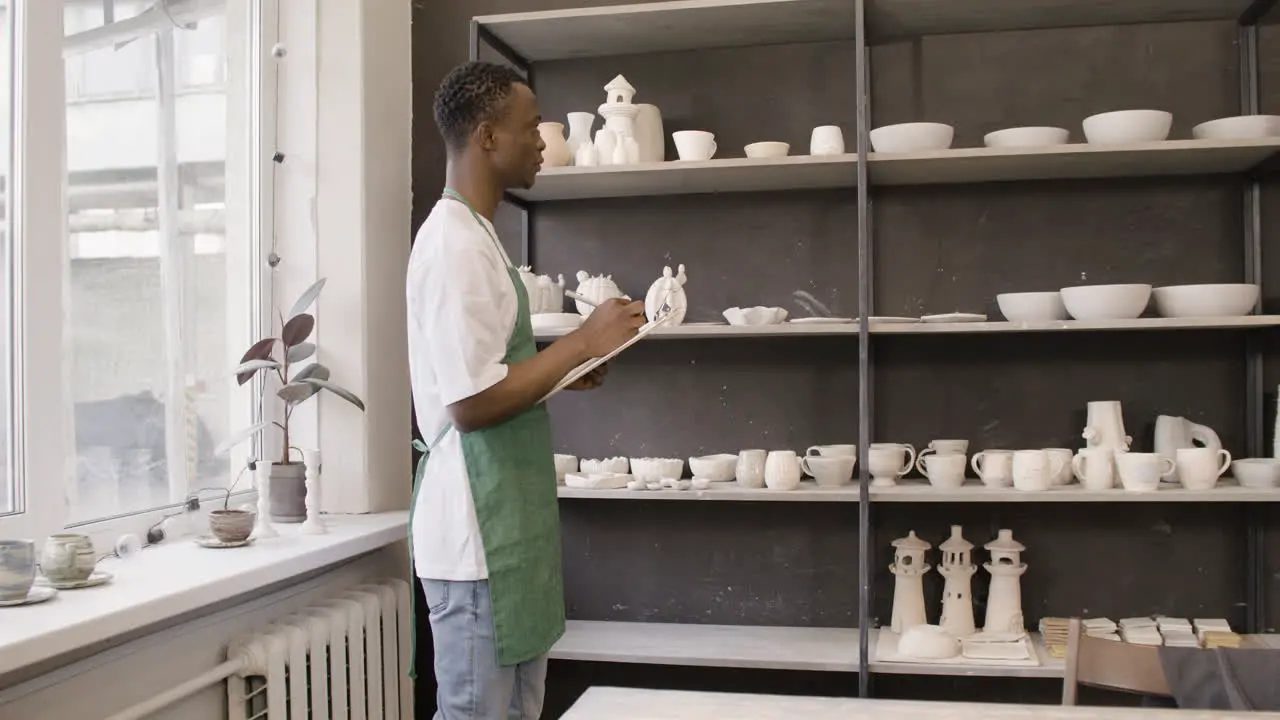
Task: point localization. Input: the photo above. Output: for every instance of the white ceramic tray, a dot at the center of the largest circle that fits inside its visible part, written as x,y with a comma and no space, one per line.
887,651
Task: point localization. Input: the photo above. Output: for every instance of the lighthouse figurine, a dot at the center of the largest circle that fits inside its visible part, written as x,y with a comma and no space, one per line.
1004,602
908,591
957,601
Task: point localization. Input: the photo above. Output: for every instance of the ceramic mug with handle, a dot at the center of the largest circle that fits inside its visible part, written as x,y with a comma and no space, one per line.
1141,472
1095,468
944,470
994,468
1034,470
1199,468
889,461
695,144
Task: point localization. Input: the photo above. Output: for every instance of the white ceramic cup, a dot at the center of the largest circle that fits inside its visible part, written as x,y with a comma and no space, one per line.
946,447
782,470
565,464
1033,470
1064,476
944,470
1141,472
1095,468
694,144
1199,468
833,451
829,471
750,470
889,461
826,140
994,468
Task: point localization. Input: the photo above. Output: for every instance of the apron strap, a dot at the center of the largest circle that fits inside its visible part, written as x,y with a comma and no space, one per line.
418,473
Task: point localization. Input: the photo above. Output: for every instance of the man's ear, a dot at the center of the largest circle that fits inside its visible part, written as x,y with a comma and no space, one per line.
485,136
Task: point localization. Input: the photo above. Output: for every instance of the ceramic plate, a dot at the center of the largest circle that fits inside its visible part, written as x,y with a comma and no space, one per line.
954,318
97,578
822,321
704,324
37,594
893,319
212,542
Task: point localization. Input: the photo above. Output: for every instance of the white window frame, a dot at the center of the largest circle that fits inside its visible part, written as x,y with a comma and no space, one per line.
44,454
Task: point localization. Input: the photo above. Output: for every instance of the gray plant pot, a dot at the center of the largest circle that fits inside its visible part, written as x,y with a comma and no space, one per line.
288,493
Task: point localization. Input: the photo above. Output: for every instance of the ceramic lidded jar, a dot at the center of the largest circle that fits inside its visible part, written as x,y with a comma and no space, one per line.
667,290
597,289
557,152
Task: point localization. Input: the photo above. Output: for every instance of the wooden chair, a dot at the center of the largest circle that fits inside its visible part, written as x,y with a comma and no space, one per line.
1111,665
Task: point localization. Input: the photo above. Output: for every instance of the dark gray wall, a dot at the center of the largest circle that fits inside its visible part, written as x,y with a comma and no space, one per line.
936,250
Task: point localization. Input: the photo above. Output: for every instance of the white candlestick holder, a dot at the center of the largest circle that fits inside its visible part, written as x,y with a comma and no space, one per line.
262,527
314,524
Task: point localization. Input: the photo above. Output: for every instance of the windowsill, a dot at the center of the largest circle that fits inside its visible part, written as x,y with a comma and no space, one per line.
179,578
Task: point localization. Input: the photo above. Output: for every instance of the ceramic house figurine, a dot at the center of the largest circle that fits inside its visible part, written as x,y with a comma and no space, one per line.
1004,603
908,569
957,601
596,289
619,115
545,296
670,290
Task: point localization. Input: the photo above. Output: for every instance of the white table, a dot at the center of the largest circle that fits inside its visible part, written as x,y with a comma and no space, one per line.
609,703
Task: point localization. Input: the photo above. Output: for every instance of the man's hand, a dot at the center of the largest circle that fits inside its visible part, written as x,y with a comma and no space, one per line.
591,380
609,325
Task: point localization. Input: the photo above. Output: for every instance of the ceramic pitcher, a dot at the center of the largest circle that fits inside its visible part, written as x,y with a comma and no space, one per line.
1176,433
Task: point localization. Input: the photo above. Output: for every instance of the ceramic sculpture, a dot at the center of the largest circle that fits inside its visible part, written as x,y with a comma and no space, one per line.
1004,601
908,569
957,601
667,290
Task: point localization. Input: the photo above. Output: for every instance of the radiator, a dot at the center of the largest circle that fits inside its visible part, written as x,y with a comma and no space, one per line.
343,659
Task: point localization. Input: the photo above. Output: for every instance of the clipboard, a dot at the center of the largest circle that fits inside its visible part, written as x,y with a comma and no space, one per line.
594,363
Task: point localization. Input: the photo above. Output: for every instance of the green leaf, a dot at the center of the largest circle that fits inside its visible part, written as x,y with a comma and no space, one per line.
336,390
300,352
297,329
225,446
314,370
260,350
296,392
308,296
248,369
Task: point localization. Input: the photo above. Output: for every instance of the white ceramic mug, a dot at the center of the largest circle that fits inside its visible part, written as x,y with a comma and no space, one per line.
831,470
994,467
694,144
782,470
946,447
833,451
1095,468
889,461
565,464
1141,472
945,470
750,470
1033,470
1063,476
826,140
1199,468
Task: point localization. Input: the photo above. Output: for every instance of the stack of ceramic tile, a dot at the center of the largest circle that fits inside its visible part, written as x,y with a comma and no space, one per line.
1055,632
1177,632
1140,631
1216,632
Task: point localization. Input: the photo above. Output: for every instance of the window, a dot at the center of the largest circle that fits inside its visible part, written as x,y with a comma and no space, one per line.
8,486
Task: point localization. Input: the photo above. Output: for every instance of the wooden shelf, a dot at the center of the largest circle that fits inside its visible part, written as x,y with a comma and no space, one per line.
681,177
690,332
726,646
1076,161
668,26
890,19
919,490
807,492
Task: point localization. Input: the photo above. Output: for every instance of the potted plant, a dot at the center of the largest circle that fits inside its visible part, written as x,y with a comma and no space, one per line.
281,355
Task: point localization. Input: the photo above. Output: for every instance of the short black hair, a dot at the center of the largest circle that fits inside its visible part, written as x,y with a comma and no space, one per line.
470,94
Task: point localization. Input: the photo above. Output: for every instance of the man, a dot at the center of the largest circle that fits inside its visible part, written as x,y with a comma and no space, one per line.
485,525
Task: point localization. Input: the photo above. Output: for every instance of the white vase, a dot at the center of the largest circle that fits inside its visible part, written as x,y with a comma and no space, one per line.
580,130
557,153
606,139
649,135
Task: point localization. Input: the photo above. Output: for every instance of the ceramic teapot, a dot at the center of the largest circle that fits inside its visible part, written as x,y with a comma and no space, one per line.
545,296
597,289
669,290
1174,433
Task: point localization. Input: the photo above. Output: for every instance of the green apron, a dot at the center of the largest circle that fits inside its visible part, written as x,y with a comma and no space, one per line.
513,486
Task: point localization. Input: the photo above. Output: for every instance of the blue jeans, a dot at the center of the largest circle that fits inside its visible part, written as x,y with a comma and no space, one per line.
471,685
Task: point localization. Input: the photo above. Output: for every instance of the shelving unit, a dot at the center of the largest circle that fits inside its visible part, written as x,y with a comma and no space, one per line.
687,25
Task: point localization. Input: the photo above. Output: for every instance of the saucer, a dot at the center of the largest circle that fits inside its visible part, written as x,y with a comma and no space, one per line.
210,541
822,321
893,319
98,577
954,317
37,594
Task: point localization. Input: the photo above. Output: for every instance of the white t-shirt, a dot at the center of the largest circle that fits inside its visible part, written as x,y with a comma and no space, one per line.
462,311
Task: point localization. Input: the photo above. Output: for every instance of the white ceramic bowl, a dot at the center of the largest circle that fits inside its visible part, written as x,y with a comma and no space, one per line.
1128,126
767,149
1032,306
1208,300
912,137
555,321
616,465
716,468
758,315
1027,137
1240,127
1106,302
1257,473
657,469
928,642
